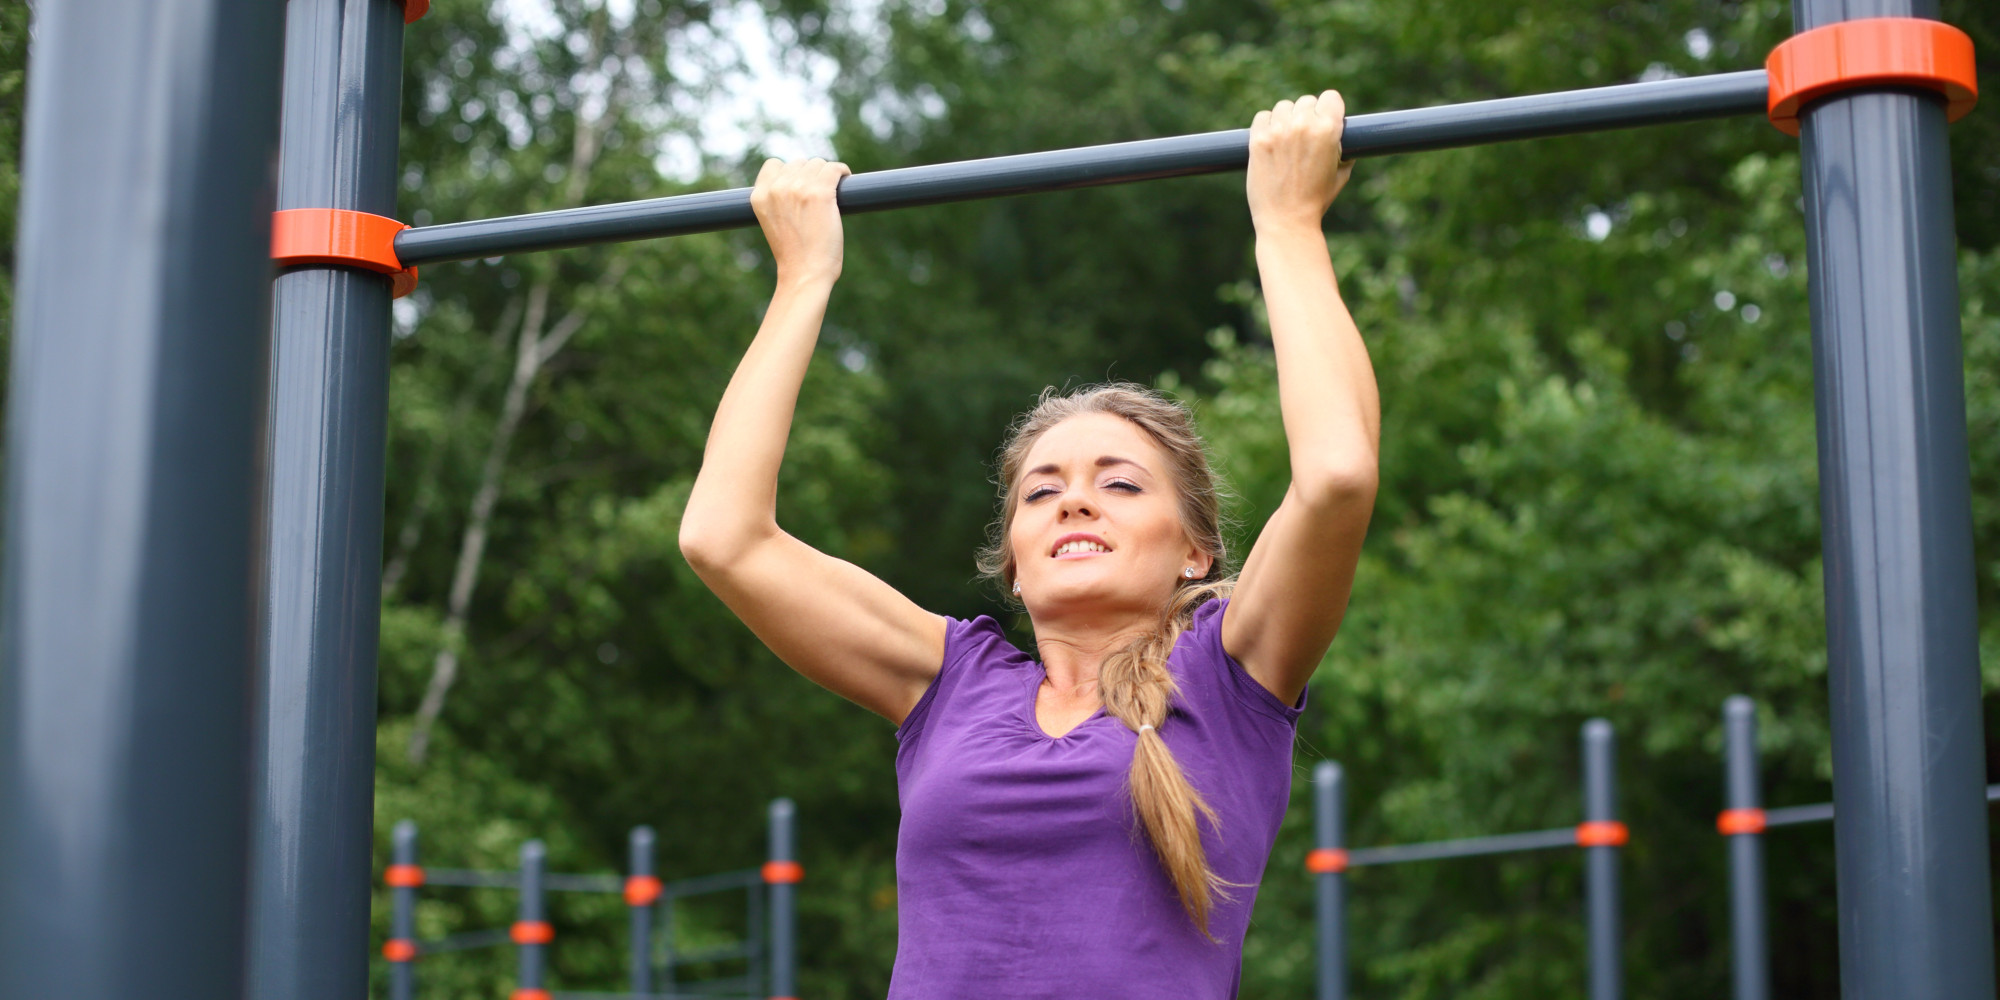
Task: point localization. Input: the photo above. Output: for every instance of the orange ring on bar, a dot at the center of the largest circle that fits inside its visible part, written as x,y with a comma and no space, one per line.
399,950
528,995
1871,52
532,932
413,9
1326,861
1602,833
341,236
783,872
403,876
1735,822
642,890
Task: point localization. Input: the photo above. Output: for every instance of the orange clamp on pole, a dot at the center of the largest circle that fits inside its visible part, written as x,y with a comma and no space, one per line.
340,236
403,876
1326,861
1734,822
642,890
414,9
1602,833
529,995
1871,52
399,950
783,872
532,932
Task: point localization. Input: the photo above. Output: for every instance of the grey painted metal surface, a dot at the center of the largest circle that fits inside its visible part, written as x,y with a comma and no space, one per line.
783,942
1466,847
315,758
639,861
1380,134
532,956
1750,959
1330,888
1895,507
134,493
403,913
1601,902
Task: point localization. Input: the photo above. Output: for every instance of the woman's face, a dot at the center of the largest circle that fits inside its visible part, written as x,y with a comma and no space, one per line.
1097,523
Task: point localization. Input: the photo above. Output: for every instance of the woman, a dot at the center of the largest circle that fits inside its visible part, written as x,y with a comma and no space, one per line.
1093,824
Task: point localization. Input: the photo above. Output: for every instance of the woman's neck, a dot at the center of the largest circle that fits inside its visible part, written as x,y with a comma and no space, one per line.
1072,653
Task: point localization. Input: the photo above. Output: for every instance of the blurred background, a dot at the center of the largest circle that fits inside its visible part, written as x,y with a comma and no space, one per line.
1598,490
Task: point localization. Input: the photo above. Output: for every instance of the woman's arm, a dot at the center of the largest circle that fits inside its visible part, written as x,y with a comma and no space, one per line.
1294,587
830,620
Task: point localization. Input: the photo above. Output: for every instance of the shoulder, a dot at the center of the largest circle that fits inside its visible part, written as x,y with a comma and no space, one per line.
973,648
1205,666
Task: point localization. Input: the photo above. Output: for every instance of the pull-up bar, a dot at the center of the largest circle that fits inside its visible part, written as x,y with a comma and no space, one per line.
1382,134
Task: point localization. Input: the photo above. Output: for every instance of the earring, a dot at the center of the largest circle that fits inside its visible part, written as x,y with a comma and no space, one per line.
1017,588
1188,572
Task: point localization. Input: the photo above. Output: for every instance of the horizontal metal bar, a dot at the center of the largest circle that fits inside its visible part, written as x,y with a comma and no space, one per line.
701,885
1381,134
466,941
733,953
584,883
470,879
1506,843
1822,812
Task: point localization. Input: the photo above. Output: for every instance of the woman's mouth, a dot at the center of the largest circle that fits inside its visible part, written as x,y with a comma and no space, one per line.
1078,546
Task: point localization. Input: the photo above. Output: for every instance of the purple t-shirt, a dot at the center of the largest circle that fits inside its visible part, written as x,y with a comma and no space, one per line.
1021,871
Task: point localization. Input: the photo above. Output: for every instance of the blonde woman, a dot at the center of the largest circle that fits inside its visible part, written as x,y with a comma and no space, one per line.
1091,820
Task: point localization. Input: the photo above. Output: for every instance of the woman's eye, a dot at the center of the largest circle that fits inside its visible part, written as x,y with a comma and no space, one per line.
1039,492
1120,484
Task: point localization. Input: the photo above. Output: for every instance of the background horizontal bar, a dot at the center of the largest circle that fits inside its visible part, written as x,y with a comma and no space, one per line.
719,882
1506,843
1822,812
1381,134
466,941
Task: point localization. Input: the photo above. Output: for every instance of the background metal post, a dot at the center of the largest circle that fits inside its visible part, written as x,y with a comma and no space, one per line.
1600,805
1330,887
134,498
1910,835
403,914
530,935
1750,954
640,864
315,761
784,902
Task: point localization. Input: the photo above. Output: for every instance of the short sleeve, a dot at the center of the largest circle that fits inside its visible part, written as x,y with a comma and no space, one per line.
1203,644
963,640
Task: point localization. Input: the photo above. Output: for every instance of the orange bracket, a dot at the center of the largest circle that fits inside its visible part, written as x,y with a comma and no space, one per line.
529,995
403,876
783,872
1326,861
1602,833
1731,822
399,950
642,890
341,236
413,9
1871,52
532,932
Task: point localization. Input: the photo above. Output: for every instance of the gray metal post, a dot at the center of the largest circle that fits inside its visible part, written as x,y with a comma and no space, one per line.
402,948
1329,865
1895,506
134,494
642,892
1750,948
781,877
532,933
315,762
1600,859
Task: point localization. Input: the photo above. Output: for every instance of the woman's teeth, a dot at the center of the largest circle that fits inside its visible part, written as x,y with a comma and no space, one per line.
1068,547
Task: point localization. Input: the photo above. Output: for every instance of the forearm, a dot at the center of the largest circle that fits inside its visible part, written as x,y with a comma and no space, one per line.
1326,383
734,499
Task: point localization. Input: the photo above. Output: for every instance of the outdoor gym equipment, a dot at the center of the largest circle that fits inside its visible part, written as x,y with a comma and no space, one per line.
1599,834
652,967
171,538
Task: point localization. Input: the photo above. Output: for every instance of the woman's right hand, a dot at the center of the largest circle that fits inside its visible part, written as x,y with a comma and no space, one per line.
795,206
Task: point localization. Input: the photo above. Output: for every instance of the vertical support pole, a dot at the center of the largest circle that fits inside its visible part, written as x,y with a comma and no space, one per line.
404,876
532,931
781,876
1910,837
1601,834
1743,824
315,760
642,892
1328,864
134,498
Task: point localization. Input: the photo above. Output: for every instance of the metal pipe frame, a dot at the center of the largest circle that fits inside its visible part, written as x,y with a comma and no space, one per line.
1382,134
532,956
1909,747
639,861
1600,864
403,913
1330,887
1750,957
1464,847
134,498
783,944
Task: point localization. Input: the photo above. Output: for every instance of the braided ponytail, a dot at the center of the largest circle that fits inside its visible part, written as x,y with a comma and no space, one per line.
1134,682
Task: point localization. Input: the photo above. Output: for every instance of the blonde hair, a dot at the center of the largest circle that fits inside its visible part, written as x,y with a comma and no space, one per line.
1134,682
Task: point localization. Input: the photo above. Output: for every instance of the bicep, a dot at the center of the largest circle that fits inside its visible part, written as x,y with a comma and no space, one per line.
1293,590
838,624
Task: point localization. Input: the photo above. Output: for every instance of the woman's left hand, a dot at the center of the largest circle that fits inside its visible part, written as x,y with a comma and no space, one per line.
1295,165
